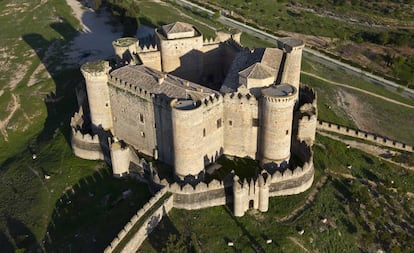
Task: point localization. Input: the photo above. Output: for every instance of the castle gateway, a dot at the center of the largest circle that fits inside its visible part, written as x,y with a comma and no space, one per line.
186,101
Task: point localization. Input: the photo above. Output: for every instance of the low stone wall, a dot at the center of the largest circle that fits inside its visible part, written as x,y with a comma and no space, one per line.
293,183
148,218
85,146
383,141
201,196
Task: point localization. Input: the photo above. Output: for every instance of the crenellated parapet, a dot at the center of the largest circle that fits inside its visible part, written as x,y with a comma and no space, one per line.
131,88
148,49
360,134
211,41
202,195
84,145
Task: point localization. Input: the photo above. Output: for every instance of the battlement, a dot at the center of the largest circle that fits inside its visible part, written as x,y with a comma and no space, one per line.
240,96
198,188
84,145
307,118
282,93
381,140
290,44
134,89
147,48
91,70
211,41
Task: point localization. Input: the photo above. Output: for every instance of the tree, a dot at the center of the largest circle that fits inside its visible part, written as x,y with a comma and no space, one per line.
216,15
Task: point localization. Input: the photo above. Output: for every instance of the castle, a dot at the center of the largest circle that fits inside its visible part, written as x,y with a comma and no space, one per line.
186,101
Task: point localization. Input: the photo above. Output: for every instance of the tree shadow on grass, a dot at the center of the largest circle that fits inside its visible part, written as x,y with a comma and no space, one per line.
5,245
22,236
162,234
254,243
90,214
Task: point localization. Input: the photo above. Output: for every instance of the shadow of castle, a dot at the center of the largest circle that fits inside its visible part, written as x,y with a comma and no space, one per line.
60,105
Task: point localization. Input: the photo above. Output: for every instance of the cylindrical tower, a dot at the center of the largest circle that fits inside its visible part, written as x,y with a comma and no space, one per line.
263,195
187,137
293,48
276,124
120,159
239,196
96,78
124,49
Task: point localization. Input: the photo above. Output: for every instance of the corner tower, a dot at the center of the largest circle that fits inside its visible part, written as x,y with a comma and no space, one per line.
125,48
276,127
293,59
96,78
187,127
180,45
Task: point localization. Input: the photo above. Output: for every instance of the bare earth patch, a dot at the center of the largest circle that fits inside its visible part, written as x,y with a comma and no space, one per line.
12,108
356,109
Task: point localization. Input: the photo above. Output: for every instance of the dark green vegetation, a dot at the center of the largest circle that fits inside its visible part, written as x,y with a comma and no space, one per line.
56,202
384,23
366,208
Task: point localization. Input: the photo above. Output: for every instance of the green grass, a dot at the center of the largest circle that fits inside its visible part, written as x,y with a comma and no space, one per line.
387,119
341,201
155,15
33,205
339,76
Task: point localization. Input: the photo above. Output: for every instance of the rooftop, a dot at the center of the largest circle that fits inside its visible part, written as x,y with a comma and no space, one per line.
156,82
269,58
177,27
281,90
257,71
124,42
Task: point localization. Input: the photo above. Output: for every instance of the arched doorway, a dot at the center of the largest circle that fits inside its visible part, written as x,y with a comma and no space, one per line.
251,204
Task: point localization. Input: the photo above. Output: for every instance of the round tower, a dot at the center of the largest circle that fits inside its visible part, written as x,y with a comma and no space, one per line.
188,132
263,195
276,124
293,49
124,49
96,78
239,198
120,159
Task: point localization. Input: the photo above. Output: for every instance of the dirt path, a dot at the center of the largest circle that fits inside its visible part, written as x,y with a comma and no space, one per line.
13,108
295,241
360,90
308,201
377,151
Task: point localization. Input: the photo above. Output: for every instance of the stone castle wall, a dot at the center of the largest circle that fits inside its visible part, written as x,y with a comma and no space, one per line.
241,125
85,146
147,219
177,53
197,136
150,57
384,141
133,118
200,196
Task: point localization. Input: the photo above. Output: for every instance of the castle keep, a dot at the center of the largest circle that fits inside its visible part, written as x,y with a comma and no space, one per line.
186,101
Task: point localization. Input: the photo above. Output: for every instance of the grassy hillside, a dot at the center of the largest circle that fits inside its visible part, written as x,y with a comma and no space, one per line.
368,207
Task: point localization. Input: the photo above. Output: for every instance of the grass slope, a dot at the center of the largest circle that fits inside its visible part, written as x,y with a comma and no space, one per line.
361,216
